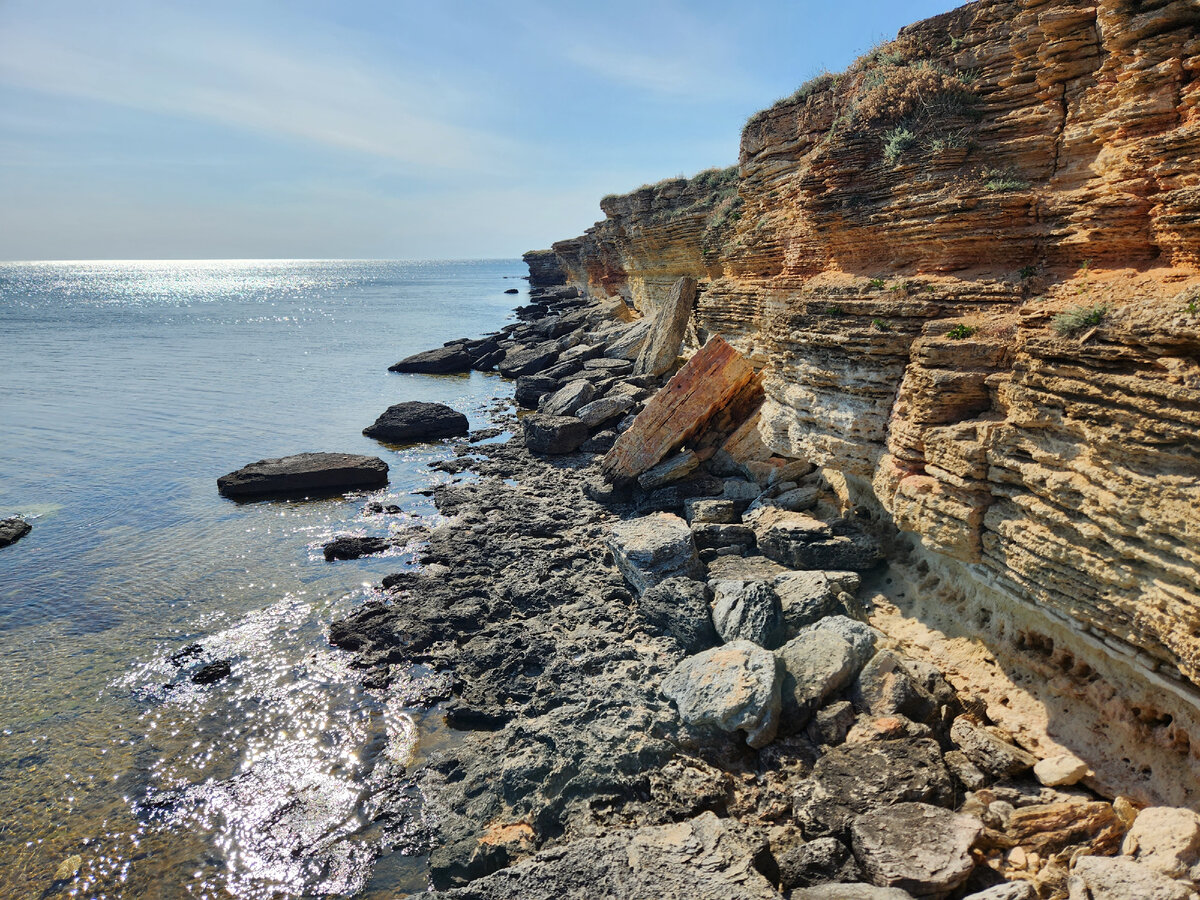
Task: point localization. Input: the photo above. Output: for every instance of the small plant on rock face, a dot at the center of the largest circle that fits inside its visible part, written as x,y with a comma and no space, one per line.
1078,318
834,310
877,284
1027,272
1192,308
1000,182
880,325
895,142
961,332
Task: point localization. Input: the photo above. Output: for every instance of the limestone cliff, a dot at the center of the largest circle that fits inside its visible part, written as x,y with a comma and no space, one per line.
969,267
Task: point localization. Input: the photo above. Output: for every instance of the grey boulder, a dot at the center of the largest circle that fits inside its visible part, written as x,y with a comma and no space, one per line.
748,611
679,608
818,665
304,473
553,435
732,687
567,399
653,548
919,848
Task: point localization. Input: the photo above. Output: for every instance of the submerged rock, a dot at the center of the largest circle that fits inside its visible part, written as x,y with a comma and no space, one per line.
212,672
12,530
416,420
304,473
733,687
352,547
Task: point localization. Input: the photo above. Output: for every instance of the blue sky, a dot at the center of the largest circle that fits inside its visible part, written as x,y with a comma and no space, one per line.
372,129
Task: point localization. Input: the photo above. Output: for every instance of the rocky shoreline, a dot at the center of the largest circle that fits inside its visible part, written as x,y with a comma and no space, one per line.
656,656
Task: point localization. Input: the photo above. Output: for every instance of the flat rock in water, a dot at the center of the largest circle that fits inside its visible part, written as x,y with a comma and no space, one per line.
653,548
12,530
441,361
416,420
732,687
352,547
553,435
304,473
212,672
916,847
857,778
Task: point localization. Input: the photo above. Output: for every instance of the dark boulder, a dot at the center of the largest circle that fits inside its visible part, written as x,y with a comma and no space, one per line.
527,360
442,361
212,672
553,434
351,547
679,608
512,291
304,473
531,388
417,421
12,530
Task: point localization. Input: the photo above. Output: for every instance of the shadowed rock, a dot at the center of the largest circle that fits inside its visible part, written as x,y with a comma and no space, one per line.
304,473
442,361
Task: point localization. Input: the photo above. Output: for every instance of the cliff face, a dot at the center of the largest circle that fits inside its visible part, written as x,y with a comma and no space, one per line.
970,269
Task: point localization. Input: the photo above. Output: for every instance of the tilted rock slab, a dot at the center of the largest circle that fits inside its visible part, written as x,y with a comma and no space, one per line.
694,394
923,849
304,473
736,686
666,335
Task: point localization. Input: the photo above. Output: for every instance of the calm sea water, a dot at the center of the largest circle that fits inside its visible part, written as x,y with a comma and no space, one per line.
127,389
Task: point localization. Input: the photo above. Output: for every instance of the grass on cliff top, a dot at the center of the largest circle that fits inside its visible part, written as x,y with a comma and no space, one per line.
712,192
1078,318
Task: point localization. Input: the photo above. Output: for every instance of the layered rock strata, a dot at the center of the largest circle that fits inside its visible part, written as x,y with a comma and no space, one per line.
966,269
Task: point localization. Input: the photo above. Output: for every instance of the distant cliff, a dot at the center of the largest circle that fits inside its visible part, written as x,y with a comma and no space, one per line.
970,269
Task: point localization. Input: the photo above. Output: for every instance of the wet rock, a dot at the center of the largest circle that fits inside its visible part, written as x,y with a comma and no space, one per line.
1120,878
732,687
212,672
12,530
304,473
748,611
416,420
916,847
802,542
352,547
184,654
447,360
531,388
679,608
512,291
487,361
857,778
701,859
665,339
567,399
818,665
523,360
821,861
653,548
669,470
709,380
553,435
374,508
1167,839
598,412
1061,769
69,868
990,753
704,510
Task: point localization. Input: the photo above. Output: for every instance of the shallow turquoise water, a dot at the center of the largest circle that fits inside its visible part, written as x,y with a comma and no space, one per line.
129,387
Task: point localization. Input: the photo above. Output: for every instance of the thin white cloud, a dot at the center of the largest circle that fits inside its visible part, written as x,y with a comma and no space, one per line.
183,68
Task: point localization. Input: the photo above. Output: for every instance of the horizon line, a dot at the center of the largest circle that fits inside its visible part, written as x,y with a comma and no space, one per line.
251,259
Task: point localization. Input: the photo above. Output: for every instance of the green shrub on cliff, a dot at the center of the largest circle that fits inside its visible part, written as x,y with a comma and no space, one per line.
895,142
1078,318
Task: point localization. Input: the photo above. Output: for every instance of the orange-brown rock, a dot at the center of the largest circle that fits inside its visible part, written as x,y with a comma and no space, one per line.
1051,827
898,245
697,392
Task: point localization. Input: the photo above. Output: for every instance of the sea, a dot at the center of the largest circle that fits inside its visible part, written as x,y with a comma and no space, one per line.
126,389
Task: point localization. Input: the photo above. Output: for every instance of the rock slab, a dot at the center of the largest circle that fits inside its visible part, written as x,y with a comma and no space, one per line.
916,847
663,344
733,687
653,548
304,473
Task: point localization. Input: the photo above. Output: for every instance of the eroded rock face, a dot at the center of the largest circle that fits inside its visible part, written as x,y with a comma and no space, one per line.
304,473
923,849
1105,878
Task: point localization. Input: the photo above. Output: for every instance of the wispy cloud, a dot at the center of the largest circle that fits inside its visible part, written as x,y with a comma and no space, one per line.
184,67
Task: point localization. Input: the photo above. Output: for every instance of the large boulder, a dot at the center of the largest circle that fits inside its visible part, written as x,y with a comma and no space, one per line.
818,665
802,542
605,409
748,611
553,435
665,340
923,849
12,530
1166,839
567,399
416,420
732,687
679,608
451,359
304,473
531,388
1121,878
856,778
523,360
653,548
